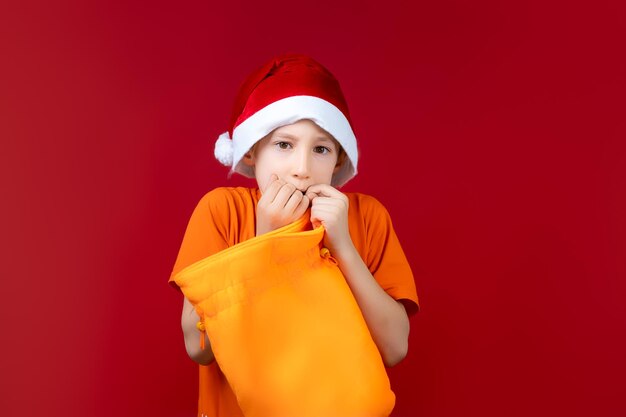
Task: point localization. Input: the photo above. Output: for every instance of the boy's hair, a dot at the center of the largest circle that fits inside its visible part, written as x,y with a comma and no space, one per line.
285,90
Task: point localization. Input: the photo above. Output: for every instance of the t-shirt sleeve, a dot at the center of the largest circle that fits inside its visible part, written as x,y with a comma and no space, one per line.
385,258
206,233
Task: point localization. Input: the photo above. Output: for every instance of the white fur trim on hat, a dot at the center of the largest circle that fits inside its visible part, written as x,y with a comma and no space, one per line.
290,110
224,149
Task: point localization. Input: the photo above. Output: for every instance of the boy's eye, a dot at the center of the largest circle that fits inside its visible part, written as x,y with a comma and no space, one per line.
283,145
321,149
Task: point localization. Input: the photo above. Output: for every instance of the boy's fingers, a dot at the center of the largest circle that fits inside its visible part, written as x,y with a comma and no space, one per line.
311,195
273,188
321,202
315,221
283,195
294,201
302,207
324,190
326,193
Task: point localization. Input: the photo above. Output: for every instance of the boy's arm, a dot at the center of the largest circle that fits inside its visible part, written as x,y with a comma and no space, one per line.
386,318
189,319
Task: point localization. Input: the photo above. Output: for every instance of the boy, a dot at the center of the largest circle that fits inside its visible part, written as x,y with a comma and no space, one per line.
291,131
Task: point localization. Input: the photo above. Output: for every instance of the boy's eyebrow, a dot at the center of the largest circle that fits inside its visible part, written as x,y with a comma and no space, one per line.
324,138
285,135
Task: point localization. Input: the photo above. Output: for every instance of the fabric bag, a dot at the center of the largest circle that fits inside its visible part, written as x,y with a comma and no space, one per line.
286,330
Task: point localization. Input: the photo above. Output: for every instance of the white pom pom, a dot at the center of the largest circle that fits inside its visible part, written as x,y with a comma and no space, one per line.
224,149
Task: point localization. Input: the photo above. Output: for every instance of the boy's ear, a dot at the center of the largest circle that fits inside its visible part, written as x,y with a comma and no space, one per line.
248,158
340,160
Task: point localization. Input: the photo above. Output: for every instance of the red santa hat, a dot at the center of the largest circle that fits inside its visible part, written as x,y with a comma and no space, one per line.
286,89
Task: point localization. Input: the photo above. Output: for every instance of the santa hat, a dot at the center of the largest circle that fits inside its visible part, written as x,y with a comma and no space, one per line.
286,89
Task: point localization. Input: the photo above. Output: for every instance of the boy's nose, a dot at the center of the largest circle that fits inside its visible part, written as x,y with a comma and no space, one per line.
301,166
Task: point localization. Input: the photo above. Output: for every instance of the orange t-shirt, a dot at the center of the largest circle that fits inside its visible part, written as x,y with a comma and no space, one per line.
226,216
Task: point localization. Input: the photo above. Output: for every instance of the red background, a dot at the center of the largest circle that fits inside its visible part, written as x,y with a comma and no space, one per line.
493,132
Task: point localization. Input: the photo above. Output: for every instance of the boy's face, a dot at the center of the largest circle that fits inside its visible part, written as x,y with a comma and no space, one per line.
301,153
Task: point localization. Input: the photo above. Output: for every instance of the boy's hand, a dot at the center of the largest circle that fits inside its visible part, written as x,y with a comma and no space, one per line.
280,204
330,208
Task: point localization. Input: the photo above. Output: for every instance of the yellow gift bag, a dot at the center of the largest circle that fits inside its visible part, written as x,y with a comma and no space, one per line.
286,330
